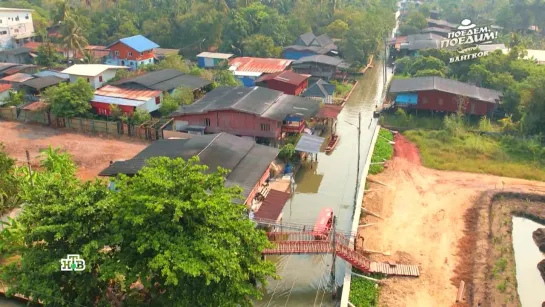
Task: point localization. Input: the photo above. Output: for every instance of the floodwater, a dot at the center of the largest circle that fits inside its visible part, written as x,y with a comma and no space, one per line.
531,288
305,279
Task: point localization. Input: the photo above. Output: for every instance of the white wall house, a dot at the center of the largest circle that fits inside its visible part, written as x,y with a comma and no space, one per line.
128,99
96,74
16,27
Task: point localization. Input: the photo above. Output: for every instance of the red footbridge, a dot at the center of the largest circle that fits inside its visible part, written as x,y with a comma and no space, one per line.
307,242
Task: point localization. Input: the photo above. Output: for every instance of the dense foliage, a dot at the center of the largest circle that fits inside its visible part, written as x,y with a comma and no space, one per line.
251,27
522,82
9,182
70,99
363,292
169,236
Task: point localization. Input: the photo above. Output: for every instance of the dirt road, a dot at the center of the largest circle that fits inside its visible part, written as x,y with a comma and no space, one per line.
91,154
423,211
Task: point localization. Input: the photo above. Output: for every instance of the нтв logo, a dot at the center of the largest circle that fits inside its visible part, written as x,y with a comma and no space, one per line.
72,263
466,34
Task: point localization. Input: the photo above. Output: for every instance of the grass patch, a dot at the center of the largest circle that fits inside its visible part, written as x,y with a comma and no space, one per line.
363,293
459,150
403,120
383,151
342,89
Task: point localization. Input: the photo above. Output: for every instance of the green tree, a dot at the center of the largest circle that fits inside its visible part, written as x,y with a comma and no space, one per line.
139,116
261,46
171,102
225,78
337,29
9,182
116,112
287,152
535,109
172,61
70,100
47,55
416,21
173,227
429,72
73,35
427,63
15,98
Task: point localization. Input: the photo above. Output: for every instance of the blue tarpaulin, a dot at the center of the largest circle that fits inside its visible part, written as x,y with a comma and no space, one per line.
407,99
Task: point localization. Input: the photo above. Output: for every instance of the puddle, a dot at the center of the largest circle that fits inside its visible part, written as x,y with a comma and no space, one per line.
531,288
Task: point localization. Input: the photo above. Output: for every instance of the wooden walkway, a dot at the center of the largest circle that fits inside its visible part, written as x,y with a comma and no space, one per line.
394,269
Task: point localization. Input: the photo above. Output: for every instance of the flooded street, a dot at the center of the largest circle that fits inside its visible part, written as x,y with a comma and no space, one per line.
531,289
305,278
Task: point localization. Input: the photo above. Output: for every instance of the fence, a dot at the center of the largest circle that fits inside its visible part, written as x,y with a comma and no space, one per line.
152,130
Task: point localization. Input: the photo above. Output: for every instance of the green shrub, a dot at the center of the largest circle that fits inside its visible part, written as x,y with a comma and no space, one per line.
363,293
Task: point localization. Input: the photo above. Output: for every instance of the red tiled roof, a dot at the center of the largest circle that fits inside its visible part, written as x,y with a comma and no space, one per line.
329,111
34,46
4,87
272,205
264,65
286,76
127,93
18,77
36,106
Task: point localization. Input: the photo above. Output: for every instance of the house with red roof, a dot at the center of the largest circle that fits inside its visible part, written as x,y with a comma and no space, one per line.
127,99
132,51
285,81
248,69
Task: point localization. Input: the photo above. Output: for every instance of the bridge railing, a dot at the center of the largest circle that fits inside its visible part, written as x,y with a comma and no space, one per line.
306,236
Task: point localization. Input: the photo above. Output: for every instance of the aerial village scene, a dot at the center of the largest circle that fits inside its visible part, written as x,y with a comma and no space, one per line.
272,153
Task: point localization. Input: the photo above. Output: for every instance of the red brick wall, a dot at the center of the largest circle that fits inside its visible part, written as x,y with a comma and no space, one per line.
234,122
441,101
124,52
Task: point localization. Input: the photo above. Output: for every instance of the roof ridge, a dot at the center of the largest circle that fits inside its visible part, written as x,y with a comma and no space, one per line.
214,139
245,95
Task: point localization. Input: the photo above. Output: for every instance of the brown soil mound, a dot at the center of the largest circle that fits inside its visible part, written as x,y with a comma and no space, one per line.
405,149
539,238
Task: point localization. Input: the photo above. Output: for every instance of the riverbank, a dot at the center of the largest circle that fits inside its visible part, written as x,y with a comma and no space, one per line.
422,222
489,267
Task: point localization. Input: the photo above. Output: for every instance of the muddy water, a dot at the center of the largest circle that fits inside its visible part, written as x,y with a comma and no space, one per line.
305,279
531,288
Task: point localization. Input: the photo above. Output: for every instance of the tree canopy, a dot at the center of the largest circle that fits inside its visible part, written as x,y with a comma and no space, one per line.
70,99
168,236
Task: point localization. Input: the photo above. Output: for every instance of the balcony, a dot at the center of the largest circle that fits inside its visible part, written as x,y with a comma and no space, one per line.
293,127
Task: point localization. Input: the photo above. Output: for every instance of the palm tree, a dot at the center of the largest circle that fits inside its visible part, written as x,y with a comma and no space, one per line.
73,38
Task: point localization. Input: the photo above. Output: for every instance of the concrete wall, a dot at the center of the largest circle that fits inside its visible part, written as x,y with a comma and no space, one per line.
95,81
13,27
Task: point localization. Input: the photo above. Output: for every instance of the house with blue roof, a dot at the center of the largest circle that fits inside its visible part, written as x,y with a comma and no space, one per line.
133,52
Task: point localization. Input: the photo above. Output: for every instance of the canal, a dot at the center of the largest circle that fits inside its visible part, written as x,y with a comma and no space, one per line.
305,279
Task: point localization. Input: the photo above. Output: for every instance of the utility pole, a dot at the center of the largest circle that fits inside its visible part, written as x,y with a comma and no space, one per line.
384,70
358,165
334,256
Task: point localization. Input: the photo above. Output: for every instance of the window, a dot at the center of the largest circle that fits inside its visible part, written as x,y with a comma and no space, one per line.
130,53
265,127
26,17
3,32
157,100
16,30
440,101
207,122
116,53
100,78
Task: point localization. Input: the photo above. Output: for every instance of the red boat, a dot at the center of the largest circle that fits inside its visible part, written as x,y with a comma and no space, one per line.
332,142
323,224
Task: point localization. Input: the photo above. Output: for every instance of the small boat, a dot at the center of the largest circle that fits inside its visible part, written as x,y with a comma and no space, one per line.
323,224
332,142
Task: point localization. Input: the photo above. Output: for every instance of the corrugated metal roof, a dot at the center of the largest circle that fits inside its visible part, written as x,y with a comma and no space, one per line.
322,59
137,42
441,22
247,160
263,65
48,73
319,88
272,206
118,101
5,87
90,70
329,111
43,82
166,80
16,51
127,93
17,78
309,143
286,76
5,66
35,106
288,105
215,55
444,85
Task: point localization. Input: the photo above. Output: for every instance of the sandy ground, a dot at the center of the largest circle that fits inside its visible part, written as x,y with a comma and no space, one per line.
91,153
423,211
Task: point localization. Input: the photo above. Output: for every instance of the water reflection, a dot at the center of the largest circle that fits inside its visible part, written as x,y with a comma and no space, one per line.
531,288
